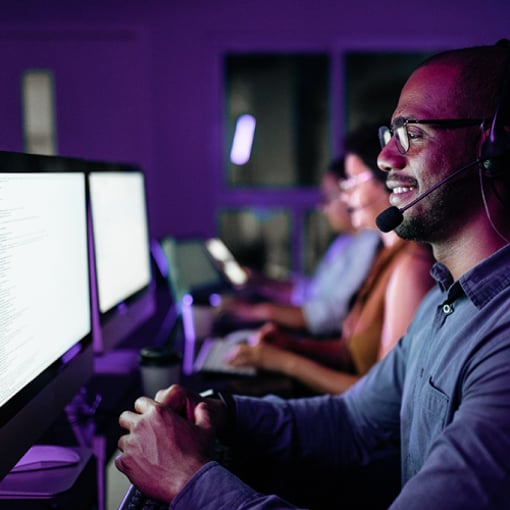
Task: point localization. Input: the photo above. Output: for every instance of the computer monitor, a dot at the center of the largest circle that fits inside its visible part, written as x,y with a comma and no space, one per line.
123,275
45,317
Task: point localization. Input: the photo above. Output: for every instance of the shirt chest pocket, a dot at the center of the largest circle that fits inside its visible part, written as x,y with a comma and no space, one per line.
429,419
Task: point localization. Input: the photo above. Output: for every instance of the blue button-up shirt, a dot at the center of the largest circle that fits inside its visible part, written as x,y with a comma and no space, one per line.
443,392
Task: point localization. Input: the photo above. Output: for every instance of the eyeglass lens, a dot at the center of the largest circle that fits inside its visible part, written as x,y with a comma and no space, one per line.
401,138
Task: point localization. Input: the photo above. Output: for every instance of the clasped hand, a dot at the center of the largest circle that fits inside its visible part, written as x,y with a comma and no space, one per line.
169,439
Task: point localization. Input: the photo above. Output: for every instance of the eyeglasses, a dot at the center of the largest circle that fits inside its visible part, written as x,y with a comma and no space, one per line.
351,182
403,137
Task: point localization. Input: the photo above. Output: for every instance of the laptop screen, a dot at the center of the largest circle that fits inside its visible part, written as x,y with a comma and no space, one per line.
226,262
190,268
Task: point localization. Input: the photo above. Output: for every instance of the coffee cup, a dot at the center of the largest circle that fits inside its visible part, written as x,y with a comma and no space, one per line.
160,367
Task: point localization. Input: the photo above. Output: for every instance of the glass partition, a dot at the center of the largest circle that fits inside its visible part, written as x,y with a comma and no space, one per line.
277,112
373,81
259,238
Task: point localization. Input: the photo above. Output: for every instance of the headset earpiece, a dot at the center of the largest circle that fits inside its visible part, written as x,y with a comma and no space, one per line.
495,151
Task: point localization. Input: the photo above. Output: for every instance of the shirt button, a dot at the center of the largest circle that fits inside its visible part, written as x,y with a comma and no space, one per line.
447,309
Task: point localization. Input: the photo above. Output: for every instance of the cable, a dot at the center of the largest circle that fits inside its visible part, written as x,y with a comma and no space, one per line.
486,207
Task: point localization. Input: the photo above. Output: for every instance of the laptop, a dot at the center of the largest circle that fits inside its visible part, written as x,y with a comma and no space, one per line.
197,269
212,353
237,278
190,269
226,262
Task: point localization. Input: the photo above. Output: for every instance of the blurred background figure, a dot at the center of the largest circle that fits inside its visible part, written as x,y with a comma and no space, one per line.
318,303
384,305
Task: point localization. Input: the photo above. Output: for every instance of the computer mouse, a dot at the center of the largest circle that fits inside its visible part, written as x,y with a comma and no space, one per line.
41,457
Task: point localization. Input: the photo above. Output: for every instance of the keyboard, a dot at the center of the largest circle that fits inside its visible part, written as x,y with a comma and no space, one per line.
135,500
211,357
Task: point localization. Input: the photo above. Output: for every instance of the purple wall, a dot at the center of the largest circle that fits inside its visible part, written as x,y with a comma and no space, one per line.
140,81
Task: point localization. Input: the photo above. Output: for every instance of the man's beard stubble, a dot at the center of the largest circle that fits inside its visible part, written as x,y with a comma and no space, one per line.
436,215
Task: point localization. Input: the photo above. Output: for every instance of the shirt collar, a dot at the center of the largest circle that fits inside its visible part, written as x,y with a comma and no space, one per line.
481,283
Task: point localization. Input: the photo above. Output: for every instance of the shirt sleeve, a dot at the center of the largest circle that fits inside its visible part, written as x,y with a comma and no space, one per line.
306,287
336,281
215,488
332,432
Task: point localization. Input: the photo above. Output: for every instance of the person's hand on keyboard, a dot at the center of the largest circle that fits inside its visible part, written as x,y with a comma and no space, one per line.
168,440
264,350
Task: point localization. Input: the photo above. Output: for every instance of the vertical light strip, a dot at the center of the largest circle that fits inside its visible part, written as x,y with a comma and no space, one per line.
243,139
39,112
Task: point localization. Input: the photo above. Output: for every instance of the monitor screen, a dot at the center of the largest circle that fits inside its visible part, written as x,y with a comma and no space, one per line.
190,269
125,297
45,318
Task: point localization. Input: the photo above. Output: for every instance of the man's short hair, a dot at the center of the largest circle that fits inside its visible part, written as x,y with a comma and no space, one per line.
482,70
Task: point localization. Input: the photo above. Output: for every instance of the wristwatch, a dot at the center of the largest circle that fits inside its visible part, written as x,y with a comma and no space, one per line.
222,452
227,400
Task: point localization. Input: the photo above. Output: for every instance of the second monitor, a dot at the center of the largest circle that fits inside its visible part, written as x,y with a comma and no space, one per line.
125,293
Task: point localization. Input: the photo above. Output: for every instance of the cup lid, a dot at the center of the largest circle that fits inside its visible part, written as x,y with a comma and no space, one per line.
159,356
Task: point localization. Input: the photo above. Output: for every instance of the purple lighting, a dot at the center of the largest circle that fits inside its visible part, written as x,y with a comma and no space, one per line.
243,139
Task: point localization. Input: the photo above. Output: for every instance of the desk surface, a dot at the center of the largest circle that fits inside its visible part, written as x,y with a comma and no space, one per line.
256,386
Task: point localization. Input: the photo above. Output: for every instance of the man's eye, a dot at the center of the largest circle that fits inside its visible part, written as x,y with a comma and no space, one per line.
414,134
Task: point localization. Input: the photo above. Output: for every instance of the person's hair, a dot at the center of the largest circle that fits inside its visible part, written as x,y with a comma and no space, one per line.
482,70
364,143
337,167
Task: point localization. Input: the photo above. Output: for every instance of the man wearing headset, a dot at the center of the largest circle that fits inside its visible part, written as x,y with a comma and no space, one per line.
443,394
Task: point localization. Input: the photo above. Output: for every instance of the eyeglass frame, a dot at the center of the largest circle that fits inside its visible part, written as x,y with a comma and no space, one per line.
349,183
401,123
